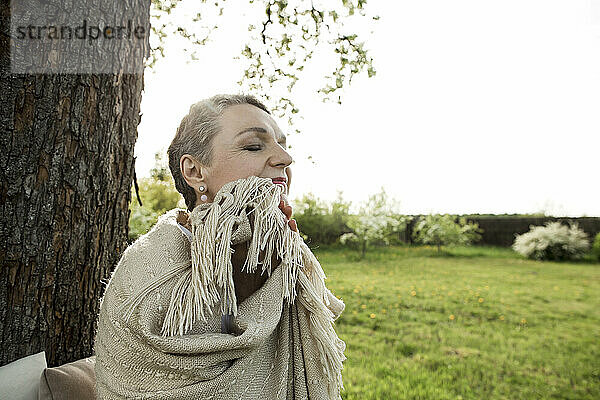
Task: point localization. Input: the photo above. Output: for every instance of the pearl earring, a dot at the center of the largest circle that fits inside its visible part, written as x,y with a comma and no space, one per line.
203,197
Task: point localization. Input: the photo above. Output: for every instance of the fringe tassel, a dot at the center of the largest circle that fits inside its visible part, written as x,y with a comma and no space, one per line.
331,348
210,280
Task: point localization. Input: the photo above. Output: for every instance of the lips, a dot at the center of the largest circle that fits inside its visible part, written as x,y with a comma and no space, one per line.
279,180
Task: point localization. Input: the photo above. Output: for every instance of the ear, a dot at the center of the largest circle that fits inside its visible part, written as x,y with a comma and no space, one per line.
191,170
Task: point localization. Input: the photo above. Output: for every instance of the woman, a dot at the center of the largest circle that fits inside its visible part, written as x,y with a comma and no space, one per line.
245,141
187,312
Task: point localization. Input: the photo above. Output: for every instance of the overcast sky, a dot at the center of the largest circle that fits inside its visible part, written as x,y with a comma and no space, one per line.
477,107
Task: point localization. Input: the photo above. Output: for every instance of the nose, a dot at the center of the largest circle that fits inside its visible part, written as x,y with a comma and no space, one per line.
282,158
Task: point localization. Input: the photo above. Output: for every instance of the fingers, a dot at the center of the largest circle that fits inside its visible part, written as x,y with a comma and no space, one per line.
293,225
287,211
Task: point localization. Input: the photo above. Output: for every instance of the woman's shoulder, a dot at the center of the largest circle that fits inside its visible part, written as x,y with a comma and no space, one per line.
152,254
163,237
161,245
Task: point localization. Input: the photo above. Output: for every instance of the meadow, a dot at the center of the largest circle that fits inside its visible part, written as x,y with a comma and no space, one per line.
472,323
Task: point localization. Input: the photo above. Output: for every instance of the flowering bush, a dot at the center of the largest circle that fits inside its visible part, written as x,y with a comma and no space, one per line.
442,230
377,218
349,239
552,242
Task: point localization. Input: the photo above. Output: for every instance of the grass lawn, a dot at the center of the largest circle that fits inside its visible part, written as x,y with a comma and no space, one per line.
477,323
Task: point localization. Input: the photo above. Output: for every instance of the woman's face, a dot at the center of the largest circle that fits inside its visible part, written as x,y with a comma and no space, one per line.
250,143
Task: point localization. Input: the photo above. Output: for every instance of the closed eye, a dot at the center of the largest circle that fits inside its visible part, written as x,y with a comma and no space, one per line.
258,147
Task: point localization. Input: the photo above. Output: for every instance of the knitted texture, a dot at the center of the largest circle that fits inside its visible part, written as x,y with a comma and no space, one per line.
159,327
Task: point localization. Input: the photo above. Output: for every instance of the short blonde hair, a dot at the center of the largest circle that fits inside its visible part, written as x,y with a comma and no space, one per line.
195,136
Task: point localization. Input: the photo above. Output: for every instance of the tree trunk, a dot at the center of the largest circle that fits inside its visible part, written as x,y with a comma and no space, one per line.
66,169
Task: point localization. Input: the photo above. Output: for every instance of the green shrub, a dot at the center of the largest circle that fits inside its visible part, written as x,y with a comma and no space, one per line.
320,222
596,247
158,195
552,242
141,220
442,230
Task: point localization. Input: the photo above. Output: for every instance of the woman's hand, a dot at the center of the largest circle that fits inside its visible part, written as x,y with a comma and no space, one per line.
287,210
184,220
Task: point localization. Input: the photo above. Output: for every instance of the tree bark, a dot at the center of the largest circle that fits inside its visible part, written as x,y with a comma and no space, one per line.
66,170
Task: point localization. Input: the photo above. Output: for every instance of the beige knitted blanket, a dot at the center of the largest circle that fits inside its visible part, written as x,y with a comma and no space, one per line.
159,324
